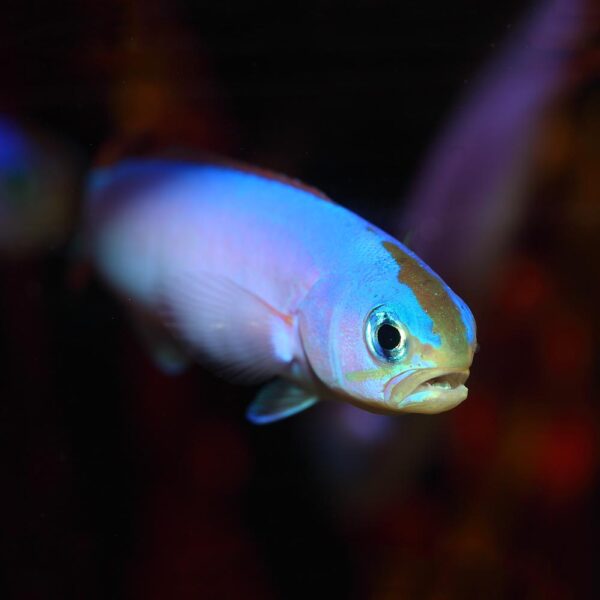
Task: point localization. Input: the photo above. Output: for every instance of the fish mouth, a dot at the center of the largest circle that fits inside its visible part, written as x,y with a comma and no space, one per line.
426,390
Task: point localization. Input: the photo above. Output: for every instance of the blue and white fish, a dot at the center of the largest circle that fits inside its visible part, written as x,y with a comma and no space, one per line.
268,280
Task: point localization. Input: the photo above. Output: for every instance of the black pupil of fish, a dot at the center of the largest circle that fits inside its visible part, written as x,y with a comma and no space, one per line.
388,336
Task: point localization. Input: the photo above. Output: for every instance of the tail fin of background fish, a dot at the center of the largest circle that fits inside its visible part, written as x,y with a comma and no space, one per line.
468,199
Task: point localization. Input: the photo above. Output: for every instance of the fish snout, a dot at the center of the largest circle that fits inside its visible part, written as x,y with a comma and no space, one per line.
426,390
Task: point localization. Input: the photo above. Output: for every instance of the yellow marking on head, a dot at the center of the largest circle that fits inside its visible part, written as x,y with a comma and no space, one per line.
433,298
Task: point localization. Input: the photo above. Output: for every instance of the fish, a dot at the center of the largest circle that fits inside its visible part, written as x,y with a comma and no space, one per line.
39,178
266,280
472,192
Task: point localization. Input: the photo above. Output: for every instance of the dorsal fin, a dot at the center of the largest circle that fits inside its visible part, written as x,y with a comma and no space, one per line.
109,157
266,174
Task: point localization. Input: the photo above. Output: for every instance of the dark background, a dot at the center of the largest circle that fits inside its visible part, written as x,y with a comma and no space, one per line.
119,482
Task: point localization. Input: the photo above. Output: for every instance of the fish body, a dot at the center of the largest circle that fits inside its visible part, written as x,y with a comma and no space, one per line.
38,180
264,278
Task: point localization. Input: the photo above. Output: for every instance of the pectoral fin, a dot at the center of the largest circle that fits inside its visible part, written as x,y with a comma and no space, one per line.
278,400
237,333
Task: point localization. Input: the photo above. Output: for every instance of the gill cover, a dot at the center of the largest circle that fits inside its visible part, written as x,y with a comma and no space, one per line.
332,323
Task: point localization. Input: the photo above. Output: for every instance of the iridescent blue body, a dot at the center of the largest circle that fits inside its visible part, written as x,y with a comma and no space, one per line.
262,277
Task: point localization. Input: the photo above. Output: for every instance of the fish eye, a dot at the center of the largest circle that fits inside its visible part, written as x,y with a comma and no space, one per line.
388,336
385,335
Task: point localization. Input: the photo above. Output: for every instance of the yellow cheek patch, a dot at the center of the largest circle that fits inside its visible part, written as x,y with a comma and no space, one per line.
366,375
417,352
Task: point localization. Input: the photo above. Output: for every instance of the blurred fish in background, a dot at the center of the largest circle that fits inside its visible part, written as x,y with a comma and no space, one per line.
39,183
471,196
40,176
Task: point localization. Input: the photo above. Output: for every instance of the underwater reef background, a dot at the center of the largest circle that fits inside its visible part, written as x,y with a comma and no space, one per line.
118,481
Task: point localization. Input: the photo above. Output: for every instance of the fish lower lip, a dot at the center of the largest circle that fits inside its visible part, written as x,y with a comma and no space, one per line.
428,390
435,401
445,381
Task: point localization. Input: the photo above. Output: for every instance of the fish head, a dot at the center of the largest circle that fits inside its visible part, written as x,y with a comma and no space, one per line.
400,343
